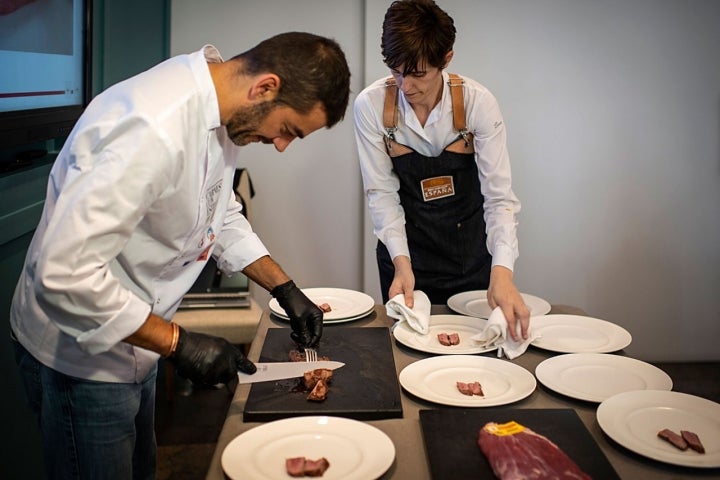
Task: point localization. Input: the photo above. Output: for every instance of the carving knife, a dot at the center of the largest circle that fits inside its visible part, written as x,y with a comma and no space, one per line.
280,370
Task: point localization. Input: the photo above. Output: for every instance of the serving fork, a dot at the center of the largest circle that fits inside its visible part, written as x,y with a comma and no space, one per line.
311,355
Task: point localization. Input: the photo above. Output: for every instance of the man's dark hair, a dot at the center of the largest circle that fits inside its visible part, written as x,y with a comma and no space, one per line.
416,33
311,68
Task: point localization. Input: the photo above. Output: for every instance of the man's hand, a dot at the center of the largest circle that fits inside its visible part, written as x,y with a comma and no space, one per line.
502,293
208,360
306,318
403,281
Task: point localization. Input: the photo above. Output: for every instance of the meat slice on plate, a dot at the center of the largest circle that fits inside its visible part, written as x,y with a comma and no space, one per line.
444,339
305,467
515,451
673,439
692,440
316,468
295,466
454,338
464,388
325,307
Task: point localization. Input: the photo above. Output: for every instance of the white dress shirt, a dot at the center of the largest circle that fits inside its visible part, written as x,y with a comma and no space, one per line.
484,122
138,198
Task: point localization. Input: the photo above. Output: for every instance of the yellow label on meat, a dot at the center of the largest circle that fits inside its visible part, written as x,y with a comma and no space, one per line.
504,429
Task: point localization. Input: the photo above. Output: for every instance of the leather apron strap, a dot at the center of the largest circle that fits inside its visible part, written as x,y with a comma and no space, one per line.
390,108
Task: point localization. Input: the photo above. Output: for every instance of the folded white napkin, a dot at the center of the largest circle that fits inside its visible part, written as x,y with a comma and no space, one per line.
495,334
418,317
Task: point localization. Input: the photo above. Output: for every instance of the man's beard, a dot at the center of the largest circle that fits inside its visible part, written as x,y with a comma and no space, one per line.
245,122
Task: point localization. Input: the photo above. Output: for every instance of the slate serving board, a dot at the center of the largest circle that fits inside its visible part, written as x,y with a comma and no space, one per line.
450,437
366,388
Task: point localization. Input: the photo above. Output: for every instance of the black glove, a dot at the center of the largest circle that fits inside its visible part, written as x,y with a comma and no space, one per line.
306,318
208,360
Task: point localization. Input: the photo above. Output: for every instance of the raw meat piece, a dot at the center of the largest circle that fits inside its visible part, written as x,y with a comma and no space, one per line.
454,338
311,377
319,392
692,440
516,452
673,438
444,339
295,466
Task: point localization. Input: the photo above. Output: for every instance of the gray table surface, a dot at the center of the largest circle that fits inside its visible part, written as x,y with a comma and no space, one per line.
410,460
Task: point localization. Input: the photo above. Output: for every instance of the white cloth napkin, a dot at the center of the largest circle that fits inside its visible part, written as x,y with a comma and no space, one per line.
495,334
418,317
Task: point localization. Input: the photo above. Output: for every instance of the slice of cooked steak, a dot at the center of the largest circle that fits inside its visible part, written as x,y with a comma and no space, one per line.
444,339
316,468
515,451
476,389
295,466
311,377
692,440
454,338
673,438
296,355
319,392
464,388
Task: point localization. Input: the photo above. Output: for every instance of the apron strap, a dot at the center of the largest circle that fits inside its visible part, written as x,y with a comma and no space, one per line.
390,108
390,111
455,82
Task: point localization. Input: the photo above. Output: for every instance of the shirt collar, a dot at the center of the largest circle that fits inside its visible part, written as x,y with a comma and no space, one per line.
208,54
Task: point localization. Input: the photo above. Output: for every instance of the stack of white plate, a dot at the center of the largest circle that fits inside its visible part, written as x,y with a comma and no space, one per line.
345,305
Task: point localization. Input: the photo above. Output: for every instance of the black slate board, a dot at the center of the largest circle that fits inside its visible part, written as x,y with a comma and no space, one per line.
366,388
450,437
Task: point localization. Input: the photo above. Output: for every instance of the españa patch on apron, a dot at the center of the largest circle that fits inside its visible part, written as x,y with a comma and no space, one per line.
437,187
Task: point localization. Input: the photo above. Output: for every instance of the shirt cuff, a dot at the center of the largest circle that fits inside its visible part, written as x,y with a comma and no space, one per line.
397,246
504,257
241,254
128,320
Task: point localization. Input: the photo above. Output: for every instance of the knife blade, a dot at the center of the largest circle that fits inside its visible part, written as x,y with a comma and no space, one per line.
280,370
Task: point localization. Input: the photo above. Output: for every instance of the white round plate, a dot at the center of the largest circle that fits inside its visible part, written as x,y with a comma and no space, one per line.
633,420
346,305
354,449
434,379
578,334
595,377
465,326
474,304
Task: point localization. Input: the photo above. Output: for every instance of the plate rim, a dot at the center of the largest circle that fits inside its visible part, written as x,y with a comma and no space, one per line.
387,449
483,293
540,373
470,358
627,336
607,410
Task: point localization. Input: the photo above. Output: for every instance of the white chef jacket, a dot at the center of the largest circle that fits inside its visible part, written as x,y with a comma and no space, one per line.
138,198
381,185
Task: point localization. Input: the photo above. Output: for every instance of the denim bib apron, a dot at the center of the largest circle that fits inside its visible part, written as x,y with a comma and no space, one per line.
444,221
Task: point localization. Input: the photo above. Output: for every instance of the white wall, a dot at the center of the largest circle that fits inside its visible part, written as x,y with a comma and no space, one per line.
613,114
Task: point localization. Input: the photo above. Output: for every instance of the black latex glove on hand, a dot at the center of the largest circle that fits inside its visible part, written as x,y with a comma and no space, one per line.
208,360
306,318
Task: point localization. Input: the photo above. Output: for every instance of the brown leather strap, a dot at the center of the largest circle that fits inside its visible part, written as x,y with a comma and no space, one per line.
458,105
390,111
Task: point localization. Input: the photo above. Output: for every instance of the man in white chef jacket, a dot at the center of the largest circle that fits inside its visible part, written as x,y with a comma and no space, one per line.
139,198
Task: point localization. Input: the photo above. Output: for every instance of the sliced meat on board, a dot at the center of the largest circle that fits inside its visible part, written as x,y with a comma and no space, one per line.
515,451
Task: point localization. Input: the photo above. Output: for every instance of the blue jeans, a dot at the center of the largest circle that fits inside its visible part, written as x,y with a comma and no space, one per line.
91,430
